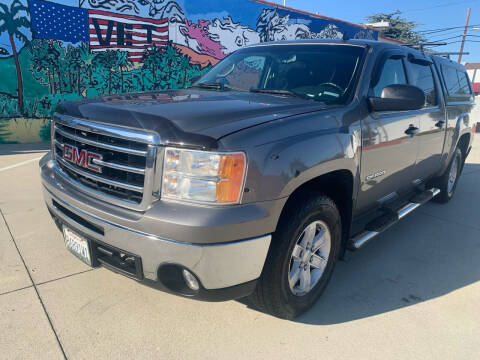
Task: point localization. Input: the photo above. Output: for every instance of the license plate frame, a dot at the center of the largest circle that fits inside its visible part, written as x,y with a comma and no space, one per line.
78,245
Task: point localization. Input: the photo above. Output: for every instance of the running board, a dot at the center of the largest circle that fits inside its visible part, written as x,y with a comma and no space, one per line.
382,223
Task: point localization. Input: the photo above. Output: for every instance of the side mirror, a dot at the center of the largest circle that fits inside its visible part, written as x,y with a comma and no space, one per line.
398,98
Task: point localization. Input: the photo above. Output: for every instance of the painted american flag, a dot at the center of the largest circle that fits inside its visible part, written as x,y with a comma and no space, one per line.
129,33
103,30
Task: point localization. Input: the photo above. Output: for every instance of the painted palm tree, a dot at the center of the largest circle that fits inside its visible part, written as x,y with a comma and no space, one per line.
184,64
122,63
14,23
151,62
86,58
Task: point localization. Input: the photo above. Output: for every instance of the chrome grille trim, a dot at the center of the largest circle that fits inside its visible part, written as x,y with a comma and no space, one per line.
116,166
99,178
108,130
100,144
134,140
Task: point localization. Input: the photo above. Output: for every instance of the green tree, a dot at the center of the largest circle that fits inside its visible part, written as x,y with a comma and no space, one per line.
14,23
171,58
104,63
73,65
87,57
399,29
184,65
122,63
48,60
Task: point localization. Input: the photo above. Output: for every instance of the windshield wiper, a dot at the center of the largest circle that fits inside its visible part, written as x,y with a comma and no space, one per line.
211,85
279,92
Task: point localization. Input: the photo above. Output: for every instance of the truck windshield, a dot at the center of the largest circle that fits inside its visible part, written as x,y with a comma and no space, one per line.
323,73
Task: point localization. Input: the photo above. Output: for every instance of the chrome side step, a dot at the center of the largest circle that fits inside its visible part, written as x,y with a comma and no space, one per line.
358,241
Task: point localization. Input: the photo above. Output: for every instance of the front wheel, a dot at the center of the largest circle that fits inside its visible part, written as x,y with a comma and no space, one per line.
301,259
447,183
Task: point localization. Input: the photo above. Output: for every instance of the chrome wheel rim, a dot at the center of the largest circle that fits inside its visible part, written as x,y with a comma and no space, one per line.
452,177
309,258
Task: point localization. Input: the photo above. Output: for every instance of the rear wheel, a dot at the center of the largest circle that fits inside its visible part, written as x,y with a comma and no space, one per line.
301,259
447,183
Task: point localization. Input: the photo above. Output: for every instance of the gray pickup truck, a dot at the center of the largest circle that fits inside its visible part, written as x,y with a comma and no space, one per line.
255,180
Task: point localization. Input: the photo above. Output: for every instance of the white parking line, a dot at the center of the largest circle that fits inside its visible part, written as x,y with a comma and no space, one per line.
19,164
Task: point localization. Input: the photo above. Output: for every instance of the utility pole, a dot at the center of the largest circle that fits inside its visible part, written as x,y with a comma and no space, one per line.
464,35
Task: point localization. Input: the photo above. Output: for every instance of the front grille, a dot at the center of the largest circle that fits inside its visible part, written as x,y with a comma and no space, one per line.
126,163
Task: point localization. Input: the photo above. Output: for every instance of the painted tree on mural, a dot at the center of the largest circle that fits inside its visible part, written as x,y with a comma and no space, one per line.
12,22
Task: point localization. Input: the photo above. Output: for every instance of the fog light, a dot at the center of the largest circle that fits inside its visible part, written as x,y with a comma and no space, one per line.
190,279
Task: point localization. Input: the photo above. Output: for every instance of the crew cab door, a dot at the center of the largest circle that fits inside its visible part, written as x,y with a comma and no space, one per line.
432,118
388,151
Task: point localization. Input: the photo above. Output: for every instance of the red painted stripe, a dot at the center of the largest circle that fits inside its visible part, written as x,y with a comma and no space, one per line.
154,41
135,26
124,16
114,32
126,47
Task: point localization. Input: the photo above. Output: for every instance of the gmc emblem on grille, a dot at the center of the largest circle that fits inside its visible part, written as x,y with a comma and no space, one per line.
81,158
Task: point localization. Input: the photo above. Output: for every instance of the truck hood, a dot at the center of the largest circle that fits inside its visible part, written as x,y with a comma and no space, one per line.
190,116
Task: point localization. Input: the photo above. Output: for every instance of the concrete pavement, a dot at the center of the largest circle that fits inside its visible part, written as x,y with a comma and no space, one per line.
411,293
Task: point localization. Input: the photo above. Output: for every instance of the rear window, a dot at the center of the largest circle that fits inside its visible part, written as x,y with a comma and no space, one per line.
456,82
464,83
422,77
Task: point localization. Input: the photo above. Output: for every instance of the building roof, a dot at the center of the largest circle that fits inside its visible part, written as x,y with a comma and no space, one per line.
472,66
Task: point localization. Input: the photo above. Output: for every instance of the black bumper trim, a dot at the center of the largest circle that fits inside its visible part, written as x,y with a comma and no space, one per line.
212,295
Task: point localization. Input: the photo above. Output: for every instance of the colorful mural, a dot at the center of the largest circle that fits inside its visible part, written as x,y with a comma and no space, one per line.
58,50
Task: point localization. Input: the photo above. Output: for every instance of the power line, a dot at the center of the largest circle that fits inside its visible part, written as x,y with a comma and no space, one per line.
446,28
439,6
447,33
457,36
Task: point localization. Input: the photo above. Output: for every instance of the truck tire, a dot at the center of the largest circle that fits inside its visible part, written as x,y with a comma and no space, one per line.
447,183
301,259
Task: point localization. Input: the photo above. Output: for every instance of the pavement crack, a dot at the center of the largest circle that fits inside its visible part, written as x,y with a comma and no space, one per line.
34,286
64,277
19,289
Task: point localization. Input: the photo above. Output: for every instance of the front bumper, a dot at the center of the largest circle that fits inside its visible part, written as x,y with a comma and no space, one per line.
225,270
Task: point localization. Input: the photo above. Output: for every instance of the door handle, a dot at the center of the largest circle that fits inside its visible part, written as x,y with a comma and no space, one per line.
412,130
440,124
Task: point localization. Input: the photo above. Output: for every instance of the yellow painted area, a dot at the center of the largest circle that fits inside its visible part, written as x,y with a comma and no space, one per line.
23,130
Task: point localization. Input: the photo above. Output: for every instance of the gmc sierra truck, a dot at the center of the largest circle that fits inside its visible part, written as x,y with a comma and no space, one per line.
256,179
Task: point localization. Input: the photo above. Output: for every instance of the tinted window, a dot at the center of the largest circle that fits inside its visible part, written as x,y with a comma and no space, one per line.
393,72
323,73
451,80
464,83
456,82
422,77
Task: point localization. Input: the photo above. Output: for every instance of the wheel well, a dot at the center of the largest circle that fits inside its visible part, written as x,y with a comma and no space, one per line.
463,143
338,186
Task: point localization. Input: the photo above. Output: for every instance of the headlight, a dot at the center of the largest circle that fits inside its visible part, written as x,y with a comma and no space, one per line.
203,176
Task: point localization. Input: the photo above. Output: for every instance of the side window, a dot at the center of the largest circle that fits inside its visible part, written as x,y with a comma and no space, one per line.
422,77
451,80
392,73
464,83
457,83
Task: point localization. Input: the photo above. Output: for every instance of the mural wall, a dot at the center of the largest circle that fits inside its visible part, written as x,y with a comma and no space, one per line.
66,49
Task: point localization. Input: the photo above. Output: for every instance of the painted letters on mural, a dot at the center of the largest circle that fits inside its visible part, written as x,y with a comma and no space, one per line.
68,49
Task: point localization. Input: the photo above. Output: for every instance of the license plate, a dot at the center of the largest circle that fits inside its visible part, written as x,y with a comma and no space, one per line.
77,245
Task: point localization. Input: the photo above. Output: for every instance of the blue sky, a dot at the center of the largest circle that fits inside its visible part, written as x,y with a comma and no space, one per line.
445,13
